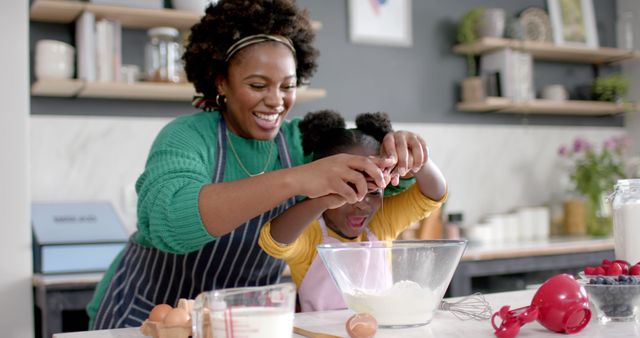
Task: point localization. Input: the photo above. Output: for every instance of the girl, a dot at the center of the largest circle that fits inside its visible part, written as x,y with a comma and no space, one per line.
294,235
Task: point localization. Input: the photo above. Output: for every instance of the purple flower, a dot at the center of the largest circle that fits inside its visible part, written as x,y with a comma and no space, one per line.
611,144
580,144
563,151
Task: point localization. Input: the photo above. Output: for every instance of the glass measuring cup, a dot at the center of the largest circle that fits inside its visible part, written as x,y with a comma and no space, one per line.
251,312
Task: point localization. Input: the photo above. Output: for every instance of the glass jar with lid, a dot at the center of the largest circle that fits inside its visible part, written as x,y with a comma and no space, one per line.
626,220
162,55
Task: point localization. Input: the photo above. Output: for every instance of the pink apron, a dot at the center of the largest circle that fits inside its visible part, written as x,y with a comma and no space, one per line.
318,292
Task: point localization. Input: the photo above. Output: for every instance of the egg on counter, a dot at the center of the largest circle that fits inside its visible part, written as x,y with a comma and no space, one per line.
177,317
361,325
159,312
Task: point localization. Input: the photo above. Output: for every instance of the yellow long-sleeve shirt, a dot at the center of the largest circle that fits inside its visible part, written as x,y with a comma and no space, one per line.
395,215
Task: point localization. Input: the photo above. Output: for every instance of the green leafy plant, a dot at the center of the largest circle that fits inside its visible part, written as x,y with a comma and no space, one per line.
467,34
594,173
610,88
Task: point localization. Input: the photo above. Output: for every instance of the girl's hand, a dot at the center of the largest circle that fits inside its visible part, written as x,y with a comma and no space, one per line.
408,149
344,175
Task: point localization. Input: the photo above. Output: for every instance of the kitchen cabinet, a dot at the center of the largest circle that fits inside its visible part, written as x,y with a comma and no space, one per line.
550,52
511,266
67,11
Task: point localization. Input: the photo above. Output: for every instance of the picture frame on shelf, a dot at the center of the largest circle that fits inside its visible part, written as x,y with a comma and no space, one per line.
573,23
381,22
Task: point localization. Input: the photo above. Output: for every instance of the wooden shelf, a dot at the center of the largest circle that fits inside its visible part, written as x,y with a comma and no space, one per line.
137,91
66,11
549,51
57,88
550,107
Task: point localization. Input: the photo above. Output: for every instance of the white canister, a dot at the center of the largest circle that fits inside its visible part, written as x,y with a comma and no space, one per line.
54,60
626,220
554,92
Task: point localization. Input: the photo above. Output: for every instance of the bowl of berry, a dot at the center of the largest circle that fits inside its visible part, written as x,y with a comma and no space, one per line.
614,291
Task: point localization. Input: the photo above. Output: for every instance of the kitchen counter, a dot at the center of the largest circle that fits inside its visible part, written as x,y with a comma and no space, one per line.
516,265
444,324
543,247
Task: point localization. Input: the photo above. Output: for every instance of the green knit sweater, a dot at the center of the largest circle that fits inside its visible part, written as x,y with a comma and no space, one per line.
181,161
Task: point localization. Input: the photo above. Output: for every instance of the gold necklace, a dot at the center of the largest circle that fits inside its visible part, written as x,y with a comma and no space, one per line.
235,154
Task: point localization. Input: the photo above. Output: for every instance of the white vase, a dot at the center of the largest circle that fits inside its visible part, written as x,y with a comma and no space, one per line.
491,23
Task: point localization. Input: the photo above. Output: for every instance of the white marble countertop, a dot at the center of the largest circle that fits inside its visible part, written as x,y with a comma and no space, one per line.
444,324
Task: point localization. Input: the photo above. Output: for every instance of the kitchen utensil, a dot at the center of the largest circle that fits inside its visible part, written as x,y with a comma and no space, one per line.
512,320
563,304
251,312
560,304
400,283
470,307
311,334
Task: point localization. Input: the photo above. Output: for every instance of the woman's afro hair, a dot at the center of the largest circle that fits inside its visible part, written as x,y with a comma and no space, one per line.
324,132
231,20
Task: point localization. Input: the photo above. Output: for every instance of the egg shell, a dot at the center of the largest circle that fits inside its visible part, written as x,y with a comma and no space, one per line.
361,325
159,312
177,317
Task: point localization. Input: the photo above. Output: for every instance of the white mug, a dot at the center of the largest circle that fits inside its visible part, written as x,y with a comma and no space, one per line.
54,60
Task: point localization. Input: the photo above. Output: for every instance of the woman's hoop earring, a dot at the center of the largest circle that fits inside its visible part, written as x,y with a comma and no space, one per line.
224,100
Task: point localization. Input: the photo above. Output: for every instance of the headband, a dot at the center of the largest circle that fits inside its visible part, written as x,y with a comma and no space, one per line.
258,38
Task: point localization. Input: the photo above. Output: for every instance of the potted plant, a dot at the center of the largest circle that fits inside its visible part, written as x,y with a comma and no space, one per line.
610,88
472,86
594,173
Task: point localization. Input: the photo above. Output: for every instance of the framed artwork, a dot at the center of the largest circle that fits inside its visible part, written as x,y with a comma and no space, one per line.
380,22
573,23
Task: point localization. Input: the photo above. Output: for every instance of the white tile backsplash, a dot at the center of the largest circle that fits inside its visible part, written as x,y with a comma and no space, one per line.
490,168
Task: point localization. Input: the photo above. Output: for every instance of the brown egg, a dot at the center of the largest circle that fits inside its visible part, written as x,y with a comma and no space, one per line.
176,317
361,325
158,313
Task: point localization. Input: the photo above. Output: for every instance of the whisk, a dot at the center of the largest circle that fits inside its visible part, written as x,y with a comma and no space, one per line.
473,306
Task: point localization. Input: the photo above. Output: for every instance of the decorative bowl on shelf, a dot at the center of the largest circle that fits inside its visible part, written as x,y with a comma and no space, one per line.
193,5
400,283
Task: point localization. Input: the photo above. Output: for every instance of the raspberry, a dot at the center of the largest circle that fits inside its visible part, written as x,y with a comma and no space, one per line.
590,271
623,263
614,270
635,270
599,271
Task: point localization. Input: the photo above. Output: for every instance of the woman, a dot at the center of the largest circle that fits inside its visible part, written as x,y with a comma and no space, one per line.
213,178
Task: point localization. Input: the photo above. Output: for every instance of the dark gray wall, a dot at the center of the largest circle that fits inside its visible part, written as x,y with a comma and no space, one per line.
417,84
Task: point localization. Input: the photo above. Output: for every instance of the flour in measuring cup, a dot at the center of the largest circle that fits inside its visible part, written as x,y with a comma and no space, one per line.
405,303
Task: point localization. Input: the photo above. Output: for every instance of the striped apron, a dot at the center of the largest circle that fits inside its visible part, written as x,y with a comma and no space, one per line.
148,276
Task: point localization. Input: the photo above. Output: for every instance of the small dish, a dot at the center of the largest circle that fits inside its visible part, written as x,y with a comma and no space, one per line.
614,299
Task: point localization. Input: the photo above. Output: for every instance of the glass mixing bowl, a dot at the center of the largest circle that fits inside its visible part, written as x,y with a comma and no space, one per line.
400,283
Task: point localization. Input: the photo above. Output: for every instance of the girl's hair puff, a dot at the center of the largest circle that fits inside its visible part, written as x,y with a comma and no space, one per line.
324,132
